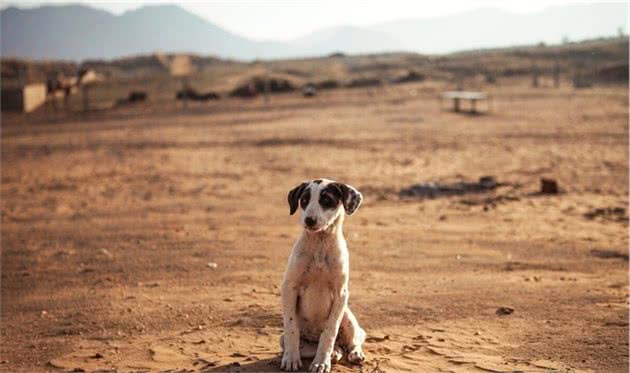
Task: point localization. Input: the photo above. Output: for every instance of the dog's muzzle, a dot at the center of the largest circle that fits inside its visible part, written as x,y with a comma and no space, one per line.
310,222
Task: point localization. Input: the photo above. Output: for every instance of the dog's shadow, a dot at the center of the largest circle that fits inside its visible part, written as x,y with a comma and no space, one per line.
263,365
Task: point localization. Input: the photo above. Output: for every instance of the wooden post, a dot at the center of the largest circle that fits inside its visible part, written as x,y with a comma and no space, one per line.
456,104
267,85
66,96
86,99
556,74
181,66
184,80
535,74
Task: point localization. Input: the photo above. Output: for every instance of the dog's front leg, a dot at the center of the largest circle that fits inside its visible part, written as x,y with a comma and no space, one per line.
322,361
291,360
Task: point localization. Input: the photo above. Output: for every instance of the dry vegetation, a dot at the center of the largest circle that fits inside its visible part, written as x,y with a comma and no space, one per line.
601,61
151,237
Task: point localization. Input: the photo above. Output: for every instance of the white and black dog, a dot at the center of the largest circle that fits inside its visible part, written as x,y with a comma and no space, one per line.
318,323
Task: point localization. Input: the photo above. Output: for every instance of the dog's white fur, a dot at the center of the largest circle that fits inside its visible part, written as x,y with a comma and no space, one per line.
317,320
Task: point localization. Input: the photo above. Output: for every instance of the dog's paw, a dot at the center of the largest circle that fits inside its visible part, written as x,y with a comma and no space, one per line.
321,366
337,355
291,361
356,356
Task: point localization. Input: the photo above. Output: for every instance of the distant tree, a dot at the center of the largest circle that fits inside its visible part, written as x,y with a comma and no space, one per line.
565,39
620,32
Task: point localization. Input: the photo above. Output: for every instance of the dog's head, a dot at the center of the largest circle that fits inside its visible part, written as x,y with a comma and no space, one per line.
322,201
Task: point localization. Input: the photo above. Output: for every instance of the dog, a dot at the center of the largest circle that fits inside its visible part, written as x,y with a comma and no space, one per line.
317,321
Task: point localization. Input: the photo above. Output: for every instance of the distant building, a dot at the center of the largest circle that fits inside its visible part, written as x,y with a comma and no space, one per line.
23,99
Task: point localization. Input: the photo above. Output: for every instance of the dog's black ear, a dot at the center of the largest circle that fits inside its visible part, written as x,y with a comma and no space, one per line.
350,197
294,197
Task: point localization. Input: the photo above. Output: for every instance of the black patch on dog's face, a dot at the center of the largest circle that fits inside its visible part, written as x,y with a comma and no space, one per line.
305,198
318,181
329,197
294,197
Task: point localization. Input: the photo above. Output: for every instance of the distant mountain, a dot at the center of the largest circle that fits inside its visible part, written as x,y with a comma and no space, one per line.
489,28
347,39
77,32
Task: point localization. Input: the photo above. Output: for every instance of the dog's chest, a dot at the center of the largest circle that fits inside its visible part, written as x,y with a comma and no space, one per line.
318,287
321,269
322,261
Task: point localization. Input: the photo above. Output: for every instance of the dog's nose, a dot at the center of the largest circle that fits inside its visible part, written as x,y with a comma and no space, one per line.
309,221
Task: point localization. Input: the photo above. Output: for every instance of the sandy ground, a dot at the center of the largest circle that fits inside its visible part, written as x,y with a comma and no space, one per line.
111,222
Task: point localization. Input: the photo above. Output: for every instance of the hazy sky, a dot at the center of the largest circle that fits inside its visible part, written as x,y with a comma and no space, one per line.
262,20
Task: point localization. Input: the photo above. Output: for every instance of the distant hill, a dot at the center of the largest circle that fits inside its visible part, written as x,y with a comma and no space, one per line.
76,32
491,28
346,39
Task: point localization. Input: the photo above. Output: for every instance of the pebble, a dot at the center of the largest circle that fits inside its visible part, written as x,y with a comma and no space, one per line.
503,311
107,253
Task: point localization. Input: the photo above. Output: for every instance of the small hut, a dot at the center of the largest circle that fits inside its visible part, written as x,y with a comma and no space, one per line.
25,98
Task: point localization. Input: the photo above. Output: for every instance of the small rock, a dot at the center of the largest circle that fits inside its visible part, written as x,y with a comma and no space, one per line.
488,181
213,265
149,285
503,311
97,355
377,339
549,186
107,253
78,370
55,364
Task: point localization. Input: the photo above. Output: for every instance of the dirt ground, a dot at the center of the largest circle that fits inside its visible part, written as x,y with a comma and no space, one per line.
152,238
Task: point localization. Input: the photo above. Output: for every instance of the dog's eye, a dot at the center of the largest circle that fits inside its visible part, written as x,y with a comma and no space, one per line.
304,201
326,201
